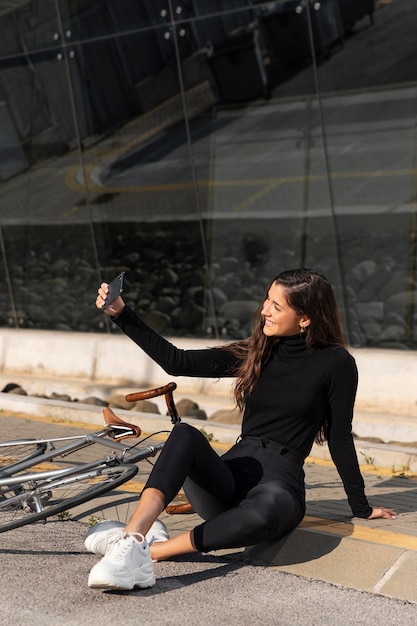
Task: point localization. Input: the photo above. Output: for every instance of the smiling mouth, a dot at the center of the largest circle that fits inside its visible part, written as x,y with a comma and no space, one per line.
269,323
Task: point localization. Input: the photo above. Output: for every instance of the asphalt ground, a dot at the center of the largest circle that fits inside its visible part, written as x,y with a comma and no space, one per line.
305,578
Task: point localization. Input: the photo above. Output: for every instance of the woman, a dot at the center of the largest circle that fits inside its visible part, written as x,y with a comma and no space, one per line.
295,382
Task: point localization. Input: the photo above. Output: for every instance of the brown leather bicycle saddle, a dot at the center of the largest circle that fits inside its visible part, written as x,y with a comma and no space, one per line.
120,428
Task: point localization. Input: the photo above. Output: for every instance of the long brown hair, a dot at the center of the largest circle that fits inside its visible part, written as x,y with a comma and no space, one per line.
309,293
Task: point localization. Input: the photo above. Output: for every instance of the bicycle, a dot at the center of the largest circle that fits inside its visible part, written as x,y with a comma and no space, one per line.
30,496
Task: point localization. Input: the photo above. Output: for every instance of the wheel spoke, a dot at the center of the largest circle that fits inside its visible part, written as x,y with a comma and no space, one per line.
28,502
14,452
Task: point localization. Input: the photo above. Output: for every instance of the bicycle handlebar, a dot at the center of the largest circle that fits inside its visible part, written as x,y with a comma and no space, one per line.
165,390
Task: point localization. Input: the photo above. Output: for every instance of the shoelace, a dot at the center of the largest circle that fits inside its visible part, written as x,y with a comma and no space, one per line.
121,541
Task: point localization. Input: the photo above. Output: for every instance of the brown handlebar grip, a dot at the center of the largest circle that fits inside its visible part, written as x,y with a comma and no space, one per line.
166,390
151,393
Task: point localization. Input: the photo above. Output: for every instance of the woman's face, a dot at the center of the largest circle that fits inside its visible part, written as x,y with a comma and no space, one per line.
280,320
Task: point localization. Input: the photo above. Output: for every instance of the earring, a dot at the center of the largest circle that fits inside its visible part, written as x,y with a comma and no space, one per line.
302,329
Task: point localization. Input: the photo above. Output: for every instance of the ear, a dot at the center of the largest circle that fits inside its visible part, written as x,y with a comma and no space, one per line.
304,322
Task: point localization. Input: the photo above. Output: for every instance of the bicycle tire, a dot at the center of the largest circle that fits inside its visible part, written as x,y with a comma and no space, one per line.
12,452
26,503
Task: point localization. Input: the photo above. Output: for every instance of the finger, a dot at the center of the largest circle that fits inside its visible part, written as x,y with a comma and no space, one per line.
102,293
99,302
383,512
103,290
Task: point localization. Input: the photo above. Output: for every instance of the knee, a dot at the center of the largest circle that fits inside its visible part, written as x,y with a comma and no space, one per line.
188,433
182,431
284,515
184,437
275,509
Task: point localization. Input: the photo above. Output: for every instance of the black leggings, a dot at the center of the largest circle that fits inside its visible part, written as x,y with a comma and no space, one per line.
258,483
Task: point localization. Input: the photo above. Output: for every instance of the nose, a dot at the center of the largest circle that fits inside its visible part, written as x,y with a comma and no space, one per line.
265,309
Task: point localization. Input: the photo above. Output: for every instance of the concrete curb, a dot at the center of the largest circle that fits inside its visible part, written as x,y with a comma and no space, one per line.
318,547
386,377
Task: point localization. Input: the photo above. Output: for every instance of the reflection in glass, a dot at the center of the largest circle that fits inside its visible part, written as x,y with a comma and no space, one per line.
202,147
368,97
28,27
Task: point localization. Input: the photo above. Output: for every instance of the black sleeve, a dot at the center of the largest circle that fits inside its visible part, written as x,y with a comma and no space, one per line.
342,391
208,363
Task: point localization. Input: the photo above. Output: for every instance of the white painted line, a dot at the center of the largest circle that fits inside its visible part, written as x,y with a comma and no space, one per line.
390,572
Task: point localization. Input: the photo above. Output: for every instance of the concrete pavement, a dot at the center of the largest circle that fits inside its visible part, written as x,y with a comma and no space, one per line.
378,557
44,583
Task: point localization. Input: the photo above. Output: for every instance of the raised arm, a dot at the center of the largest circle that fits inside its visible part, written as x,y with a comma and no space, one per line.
209,362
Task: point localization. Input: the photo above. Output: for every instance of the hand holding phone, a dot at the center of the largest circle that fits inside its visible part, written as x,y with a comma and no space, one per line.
115,289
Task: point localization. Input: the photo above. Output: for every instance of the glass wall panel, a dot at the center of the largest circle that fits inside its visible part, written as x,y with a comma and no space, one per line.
96,19
368,94
301,38
39,146
258,153
29,27
138,172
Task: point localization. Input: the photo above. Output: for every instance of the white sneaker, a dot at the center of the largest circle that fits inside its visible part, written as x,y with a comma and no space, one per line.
98,535
157,532
126,564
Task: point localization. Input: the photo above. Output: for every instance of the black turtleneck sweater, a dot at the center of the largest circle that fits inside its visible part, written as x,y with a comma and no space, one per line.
296,391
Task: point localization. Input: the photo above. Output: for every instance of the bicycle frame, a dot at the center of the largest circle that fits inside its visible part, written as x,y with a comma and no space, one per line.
29,496
127,455
132,457
101,437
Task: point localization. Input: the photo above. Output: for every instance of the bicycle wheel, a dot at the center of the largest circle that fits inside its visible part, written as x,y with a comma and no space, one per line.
12,452
30,501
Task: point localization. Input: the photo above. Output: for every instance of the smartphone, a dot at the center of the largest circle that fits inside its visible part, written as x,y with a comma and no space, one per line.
115,289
